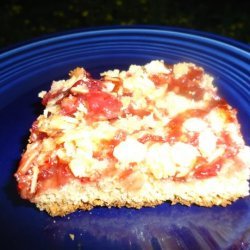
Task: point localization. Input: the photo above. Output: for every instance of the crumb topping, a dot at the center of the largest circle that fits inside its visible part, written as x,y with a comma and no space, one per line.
166,122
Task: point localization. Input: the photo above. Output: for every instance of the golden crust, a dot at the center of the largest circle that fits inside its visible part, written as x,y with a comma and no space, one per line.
206,203
56,203
63,208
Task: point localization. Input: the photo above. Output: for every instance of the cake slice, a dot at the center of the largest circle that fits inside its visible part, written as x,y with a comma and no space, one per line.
134,138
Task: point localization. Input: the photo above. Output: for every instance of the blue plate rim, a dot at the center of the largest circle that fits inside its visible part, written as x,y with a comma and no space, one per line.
160,28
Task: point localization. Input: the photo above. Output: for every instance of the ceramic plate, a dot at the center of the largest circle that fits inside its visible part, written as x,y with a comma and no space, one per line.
29,68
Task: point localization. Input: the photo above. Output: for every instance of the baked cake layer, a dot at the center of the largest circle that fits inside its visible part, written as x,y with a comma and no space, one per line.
134,138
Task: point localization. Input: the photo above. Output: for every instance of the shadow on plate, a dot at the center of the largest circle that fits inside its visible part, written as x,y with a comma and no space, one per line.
10,189
163,227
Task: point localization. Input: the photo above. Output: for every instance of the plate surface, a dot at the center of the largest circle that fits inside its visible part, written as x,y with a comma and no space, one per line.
29,68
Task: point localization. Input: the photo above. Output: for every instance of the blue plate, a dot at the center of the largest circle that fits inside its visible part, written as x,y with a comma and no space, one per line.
29,68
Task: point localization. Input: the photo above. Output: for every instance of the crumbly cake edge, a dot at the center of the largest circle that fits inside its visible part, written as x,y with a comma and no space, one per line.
56,203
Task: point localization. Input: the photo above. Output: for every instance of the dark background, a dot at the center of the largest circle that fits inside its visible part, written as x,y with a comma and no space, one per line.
23,20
